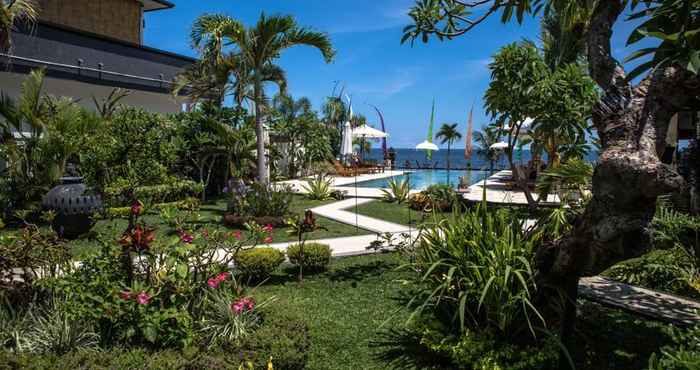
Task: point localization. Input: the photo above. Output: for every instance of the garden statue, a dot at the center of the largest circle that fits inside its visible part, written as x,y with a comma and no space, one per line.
73,208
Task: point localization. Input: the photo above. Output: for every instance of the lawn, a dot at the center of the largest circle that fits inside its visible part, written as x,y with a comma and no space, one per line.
398,213
210,216
358,301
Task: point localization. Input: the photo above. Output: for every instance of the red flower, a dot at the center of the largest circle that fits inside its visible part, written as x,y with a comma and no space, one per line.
138,238
267,240
143,298
136,208
268,228
186,238
237,234
125,295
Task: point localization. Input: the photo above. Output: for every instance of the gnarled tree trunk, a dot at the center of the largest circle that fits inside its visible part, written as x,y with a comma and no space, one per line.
631,122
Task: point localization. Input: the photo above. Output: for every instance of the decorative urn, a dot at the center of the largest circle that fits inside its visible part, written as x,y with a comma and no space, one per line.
72,206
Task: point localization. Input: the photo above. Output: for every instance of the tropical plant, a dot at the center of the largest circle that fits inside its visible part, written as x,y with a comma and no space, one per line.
449,134
258,263
300,227
13,12
476,274
257,47
573,178
260,200
54,330
319,187
229,317
40,135
486,138
398,191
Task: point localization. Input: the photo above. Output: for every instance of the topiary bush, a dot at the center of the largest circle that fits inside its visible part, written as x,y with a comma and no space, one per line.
258,263
282,337
317,256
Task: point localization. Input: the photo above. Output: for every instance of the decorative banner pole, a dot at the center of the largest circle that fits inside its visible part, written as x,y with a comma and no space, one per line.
468,146
429,153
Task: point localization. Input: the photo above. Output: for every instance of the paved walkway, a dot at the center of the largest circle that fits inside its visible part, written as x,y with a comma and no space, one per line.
346,184
644,302
499,189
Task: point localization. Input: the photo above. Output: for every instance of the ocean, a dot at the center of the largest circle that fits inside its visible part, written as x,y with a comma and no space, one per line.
457,160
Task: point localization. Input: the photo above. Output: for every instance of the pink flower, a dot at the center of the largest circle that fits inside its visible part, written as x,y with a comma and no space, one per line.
237,234
223,276
186,238
268,240
125,295
243,304
143,298
268,228
213,283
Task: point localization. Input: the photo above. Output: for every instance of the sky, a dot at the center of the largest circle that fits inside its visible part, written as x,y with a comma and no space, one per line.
372,64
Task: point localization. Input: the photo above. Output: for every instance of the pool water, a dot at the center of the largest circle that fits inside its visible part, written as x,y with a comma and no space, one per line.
419,180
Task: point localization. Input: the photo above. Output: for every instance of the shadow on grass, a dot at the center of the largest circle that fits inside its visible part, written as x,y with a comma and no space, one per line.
361,272
401,348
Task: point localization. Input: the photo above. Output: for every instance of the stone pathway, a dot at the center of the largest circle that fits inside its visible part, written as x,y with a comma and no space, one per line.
644,302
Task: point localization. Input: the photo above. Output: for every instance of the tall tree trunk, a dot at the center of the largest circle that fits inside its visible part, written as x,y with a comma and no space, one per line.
259,132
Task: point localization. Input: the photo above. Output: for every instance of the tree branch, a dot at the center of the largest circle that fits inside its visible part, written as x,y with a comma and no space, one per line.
605,70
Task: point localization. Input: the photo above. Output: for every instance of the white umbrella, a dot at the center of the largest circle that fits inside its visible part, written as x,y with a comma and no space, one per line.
346,144
499,146
367,132
427,145
525,127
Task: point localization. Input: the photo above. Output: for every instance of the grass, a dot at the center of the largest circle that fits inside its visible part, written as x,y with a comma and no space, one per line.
210,215
398,213
344,307
357,301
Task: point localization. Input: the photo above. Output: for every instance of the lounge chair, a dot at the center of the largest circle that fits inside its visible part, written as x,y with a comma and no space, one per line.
418,165
463,186
435,165
407,164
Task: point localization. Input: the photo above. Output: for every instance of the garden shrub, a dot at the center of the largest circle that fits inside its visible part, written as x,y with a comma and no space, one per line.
172,191
258,263
263,204
683,354
134,148
317,256
185,204
437,197
319,187
282,337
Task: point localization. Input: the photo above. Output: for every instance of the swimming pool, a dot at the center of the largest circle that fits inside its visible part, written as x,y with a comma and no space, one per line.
421,179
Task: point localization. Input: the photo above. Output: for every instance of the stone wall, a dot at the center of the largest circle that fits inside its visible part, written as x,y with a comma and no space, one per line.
119,19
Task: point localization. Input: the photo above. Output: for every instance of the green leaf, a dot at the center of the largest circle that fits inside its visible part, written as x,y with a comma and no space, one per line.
181,270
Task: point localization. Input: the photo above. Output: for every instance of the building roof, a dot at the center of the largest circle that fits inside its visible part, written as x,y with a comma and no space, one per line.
76,55
151,5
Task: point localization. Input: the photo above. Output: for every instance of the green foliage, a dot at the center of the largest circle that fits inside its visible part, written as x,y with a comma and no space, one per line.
260,200
675,25
221,324
53,330
474,271
258,263
484,351
683,354
671,228
283,337
319,187
316,257
50,133
162,193
135,148
572,178
437,197
31,253
398,191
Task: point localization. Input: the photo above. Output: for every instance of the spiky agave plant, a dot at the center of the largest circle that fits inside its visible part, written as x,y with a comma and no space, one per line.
397,192
229,317
319,188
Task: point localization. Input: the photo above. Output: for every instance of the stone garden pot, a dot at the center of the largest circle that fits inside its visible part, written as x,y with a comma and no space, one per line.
73,207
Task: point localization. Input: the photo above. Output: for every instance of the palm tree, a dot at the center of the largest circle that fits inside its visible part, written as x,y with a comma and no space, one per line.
289,108
449,134
11,12
486,138
257,47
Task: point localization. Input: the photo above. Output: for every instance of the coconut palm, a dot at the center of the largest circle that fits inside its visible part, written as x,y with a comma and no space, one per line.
11,12
448,134
486,138
257,47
